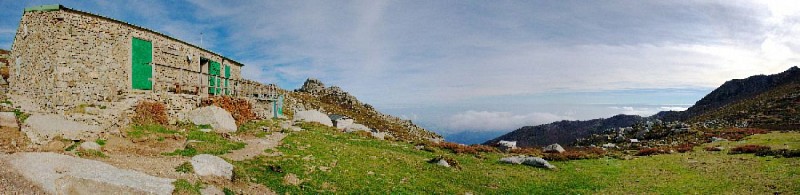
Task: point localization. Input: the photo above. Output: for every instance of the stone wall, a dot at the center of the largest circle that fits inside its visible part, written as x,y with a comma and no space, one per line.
65,58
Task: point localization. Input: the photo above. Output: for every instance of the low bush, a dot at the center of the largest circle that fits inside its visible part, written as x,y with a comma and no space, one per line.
684,148
463,149
576,154
713,148
651,151
526,151
786,153
749,149
186,167
240,109
149,112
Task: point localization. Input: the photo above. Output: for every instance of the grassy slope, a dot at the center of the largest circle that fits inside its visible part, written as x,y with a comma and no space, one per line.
362,165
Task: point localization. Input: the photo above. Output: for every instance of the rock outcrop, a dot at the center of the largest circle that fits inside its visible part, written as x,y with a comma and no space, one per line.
61,174
553,148
210,165
43,128
313,116
530,161
220,119
8,119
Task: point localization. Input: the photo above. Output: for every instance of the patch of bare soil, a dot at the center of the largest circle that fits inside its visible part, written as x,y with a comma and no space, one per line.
255,147
159,166
12,182
13,140
143,147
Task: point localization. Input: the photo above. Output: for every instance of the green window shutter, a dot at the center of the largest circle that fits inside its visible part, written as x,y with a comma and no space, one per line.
141,70
213,81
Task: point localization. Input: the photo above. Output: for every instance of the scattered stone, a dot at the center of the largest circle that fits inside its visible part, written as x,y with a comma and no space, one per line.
718,139
419,147
220,119
43,128
62,174
443,163
609,145
90,146
8,119
530,161
291,179
211,190
634,140
206,130
506,146
313,116
356,127
210,165
379,135
92,110
553,148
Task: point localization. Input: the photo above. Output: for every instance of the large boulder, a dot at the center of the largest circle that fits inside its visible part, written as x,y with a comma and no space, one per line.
8,119
62,174
356,127
313,116
553,148
90,146
210,165
220,119
43,128
506,146
529,160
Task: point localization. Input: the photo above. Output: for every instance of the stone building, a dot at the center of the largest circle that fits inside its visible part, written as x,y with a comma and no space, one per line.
63,58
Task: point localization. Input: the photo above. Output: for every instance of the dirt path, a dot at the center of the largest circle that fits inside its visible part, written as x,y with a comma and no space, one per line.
256,147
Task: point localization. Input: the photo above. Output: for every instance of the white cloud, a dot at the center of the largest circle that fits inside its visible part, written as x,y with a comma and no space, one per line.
497,121
646,111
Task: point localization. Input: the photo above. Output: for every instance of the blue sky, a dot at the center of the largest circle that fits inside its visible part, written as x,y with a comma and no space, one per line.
486,67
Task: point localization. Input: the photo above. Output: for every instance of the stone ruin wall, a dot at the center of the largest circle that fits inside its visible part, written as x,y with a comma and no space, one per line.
62,59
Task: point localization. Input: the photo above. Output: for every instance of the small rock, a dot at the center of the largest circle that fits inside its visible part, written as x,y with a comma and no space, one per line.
54,146
506,146
8,119
356,127
379,135
206,130
92,110
211,190
530,161
553,148
609,145
419,147
90,146
443,163
291,179
210,165
717,139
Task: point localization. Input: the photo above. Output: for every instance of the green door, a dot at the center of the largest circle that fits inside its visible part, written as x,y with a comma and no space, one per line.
213,80
227,77
141,57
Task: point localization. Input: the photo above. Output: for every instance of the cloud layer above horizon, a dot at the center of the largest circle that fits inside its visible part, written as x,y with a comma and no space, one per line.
465,54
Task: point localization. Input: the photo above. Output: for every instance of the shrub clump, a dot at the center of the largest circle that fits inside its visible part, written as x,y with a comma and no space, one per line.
651,151
736,134
786,153
749,149
576,154
684,147
526,151
713,149
463,149
149,112
240,109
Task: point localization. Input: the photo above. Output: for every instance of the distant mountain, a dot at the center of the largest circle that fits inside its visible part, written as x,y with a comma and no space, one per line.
565,132
735,91
471,137
763,101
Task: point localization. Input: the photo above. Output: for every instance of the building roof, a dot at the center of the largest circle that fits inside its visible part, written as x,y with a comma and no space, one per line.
57,7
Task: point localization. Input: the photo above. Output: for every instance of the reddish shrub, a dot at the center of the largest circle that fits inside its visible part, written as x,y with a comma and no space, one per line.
526,151
713,149
651,151
240,109
684,148
458,148
148,112
746,149
576,154
736,134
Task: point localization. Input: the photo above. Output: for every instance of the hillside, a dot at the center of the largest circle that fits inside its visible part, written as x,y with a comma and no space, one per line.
333,100
564,132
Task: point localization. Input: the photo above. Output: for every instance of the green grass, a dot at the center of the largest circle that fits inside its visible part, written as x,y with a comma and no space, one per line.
254,127
183,186
361,165
21,116
185,168
207,143
100,142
